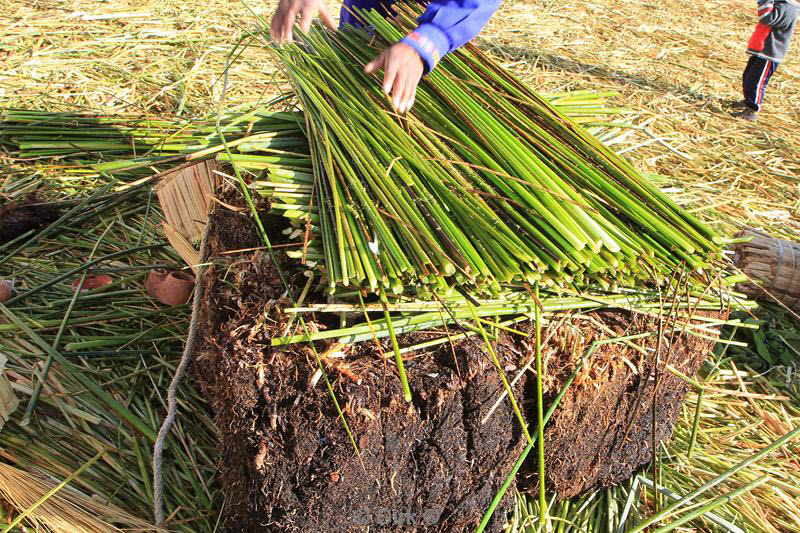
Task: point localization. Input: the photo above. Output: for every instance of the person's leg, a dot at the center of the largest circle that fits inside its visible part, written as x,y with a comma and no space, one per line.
755,79
754,85
746,75
762,87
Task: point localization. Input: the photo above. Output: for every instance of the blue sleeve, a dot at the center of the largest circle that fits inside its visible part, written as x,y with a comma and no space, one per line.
448,24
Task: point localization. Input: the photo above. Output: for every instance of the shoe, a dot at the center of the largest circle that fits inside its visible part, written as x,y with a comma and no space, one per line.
739,104
748,115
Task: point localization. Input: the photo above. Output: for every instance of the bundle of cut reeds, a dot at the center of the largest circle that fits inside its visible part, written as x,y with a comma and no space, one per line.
772,264
185,195
481,185
118,145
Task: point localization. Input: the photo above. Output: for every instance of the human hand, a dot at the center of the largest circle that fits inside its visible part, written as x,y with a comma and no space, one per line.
286,14
402,70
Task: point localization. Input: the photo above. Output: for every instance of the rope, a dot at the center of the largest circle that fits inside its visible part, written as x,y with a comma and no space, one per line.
787,291
792,278
172,404
780,265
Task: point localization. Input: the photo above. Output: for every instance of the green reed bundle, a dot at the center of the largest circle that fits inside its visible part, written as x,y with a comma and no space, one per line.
483,183
116,144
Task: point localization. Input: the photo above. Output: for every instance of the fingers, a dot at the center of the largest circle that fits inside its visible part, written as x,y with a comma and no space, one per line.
399,90
306,17
288,24
390,69
283,21
276,25
281,27
402,72
376,64
409,93
413,97
325,17
404,90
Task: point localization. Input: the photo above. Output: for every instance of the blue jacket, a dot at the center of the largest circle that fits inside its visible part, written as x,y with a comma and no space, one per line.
445,25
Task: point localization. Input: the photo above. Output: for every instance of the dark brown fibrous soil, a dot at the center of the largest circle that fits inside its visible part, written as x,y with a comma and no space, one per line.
289,465
602,431
18,218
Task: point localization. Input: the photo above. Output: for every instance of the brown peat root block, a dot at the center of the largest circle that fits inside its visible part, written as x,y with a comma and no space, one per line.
602,431
288,464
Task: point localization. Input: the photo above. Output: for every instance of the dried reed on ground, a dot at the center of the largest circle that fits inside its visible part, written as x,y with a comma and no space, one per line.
681,73
8,400
186,197
61,509
110,355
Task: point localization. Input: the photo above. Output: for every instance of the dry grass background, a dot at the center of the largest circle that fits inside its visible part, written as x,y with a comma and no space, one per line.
127,56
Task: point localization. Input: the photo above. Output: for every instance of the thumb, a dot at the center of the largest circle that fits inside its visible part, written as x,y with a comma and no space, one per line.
375,64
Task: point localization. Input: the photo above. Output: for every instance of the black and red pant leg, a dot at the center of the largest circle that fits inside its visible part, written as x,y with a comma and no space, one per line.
755,79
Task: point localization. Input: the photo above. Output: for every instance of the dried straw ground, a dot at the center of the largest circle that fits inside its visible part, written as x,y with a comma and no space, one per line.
676,63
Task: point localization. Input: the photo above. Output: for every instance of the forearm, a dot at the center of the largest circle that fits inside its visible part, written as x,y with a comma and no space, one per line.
447,25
